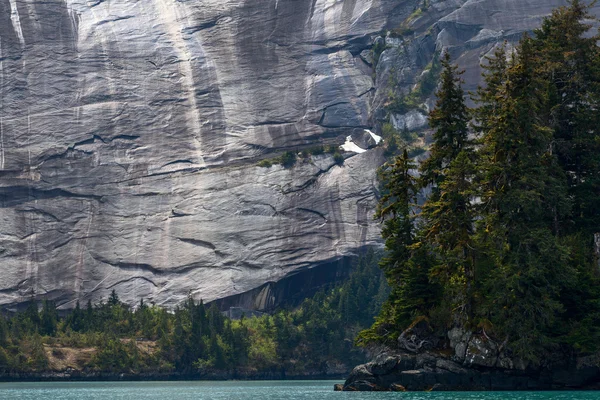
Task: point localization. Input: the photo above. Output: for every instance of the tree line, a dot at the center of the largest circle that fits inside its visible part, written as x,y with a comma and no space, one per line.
196,339
504,242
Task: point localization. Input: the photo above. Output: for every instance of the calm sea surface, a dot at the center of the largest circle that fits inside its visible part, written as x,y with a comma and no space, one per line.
291,390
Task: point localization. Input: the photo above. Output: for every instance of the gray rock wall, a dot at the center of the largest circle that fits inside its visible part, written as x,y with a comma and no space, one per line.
130,133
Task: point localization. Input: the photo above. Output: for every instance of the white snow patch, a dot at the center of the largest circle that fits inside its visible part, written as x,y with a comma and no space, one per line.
16,21
351,146
375,137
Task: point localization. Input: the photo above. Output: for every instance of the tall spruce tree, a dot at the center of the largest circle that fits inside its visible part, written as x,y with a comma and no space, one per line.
399,191
569,64
394,211
448,230
488,97
449,120
522,193
448,213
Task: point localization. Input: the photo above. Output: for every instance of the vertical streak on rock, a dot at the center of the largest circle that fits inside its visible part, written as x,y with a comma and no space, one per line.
1,107
348,11
74,19
28,143
16,21
336,217
167,12
1,137
82,250
362,220
32,262
105,46
357,14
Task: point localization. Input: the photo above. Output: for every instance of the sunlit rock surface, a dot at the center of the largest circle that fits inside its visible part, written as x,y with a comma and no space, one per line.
130,133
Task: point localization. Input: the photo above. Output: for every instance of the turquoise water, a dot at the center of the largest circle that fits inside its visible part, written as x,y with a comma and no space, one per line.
289,390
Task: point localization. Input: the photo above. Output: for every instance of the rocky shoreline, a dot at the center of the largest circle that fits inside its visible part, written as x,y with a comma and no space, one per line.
467,362
434,372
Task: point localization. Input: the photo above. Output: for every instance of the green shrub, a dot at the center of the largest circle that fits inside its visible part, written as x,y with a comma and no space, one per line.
288,159
401,32
377,50
416,151
338,158
331,149
317,150
265,163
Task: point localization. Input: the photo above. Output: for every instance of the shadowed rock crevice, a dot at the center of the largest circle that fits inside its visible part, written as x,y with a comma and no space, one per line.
291,290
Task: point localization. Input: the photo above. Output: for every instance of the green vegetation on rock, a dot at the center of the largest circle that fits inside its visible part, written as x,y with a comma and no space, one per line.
424,88
288,159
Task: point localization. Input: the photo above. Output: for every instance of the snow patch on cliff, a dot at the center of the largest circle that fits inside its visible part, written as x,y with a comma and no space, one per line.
375,137
350,146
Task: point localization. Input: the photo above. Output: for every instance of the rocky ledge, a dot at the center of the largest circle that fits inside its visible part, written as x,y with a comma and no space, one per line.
467,361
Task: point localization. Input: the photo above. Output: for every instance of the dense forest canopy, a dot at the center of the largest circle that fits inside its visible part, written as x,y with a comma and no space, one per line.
504,243
195,339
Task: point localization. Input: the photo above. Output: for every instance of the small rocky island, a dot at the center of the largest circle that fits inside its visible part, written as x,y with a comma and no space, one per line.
494,276
466,361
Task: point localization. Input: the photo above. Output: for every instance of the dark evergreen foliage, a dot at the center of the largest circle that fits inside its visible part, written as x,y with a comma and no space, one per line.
506,236
449,120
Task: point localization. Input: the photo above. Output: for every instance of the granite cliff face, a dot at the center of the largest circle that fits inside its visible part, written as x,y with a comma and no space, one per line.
130,133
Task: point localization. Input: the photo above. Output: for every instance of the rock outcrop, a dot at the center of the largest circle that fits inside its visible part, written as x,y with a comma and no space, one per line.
471,362
130,133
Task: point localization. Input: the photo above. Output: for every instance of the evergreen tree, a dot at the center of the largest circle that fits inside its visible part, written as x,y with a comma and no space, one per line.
522,194
31,317
113,300
416,295
488,97
4,332
76,319
48,318
447,215
89,316
448,224
449,120
394,210
569,64
198,327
